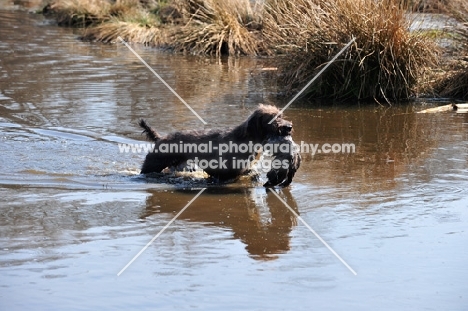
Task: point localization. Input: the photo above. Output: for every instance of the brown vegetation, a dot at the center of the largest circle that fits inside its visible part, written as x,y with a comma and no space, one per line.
455,8
129,31
450,79
78,13
220,27
211,27
385,61
453,81
106,20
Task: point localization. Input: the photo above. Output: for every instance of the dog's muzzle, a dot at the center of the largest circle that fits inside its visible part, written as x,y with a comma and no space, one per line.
285,130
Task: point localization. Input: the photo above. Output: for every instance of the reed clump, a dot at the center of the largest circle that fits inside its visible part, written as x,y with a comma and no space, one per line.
385,61
216,27
209,27
78,13
450,78
458,9
453,81
130,31
106,20
455,8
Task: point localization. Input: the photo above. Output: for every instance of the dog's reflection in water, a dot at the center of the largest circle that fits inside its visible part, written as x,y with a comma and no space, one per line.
254,215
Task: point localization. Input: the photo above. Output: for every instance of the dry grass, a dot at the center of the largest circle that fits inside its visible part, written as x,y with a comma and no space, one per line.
455,8
218,27
458,9
79,13
129,31
105,20
425,6
130,21
385,62
450,79
210,27
453,82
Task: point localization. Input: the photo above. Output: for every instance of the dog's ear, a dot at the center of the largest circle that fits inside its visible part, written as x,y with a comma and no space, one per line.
255,126
273,128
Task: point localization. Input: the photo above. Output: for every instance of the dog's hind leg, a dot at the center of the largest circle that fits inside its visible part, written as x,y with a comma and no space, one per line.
153,164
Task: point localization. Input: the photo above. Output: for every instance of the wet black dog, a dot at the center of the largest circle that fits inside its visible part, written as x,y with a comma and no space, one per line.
222,154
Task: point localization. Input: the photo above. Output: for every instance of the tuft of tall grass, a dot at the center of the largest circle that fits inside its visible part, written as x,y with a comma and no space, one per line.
425,6
385,61
453,82
78,13
218,27
458,9
105,20
132,22
455,8
212,27
131,31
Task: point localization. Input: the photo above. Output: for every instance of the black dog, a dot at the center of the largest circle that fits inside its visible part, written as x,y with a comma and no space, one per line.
222,154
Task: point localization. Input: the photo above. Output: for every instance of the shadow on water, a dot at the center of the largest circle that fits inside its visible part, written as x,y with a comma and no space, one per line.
254,215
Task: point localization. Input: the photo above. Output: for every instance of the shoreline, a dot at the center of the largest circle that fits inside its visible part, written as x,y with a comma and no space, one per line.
420,55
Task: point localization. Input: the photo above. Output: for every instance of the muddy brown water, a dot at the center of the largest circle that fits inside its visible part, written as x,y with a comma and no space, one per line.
74,211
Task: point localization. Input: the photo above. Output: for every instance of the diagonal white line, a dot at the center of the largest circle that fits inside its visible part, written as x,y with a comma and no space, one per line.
162,80
160,232
313,79
313,231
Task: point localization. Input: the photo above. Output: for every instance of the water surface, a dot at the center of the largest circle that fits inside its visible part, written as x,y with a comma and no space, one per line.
75,211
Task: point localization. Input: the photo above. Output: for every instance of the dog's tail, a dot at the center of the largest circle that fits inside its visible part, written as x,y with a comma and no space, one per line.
151,134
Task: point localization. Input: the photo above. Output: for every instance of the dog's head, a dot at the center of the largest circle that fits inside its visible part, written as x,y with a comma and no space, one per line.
260,127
